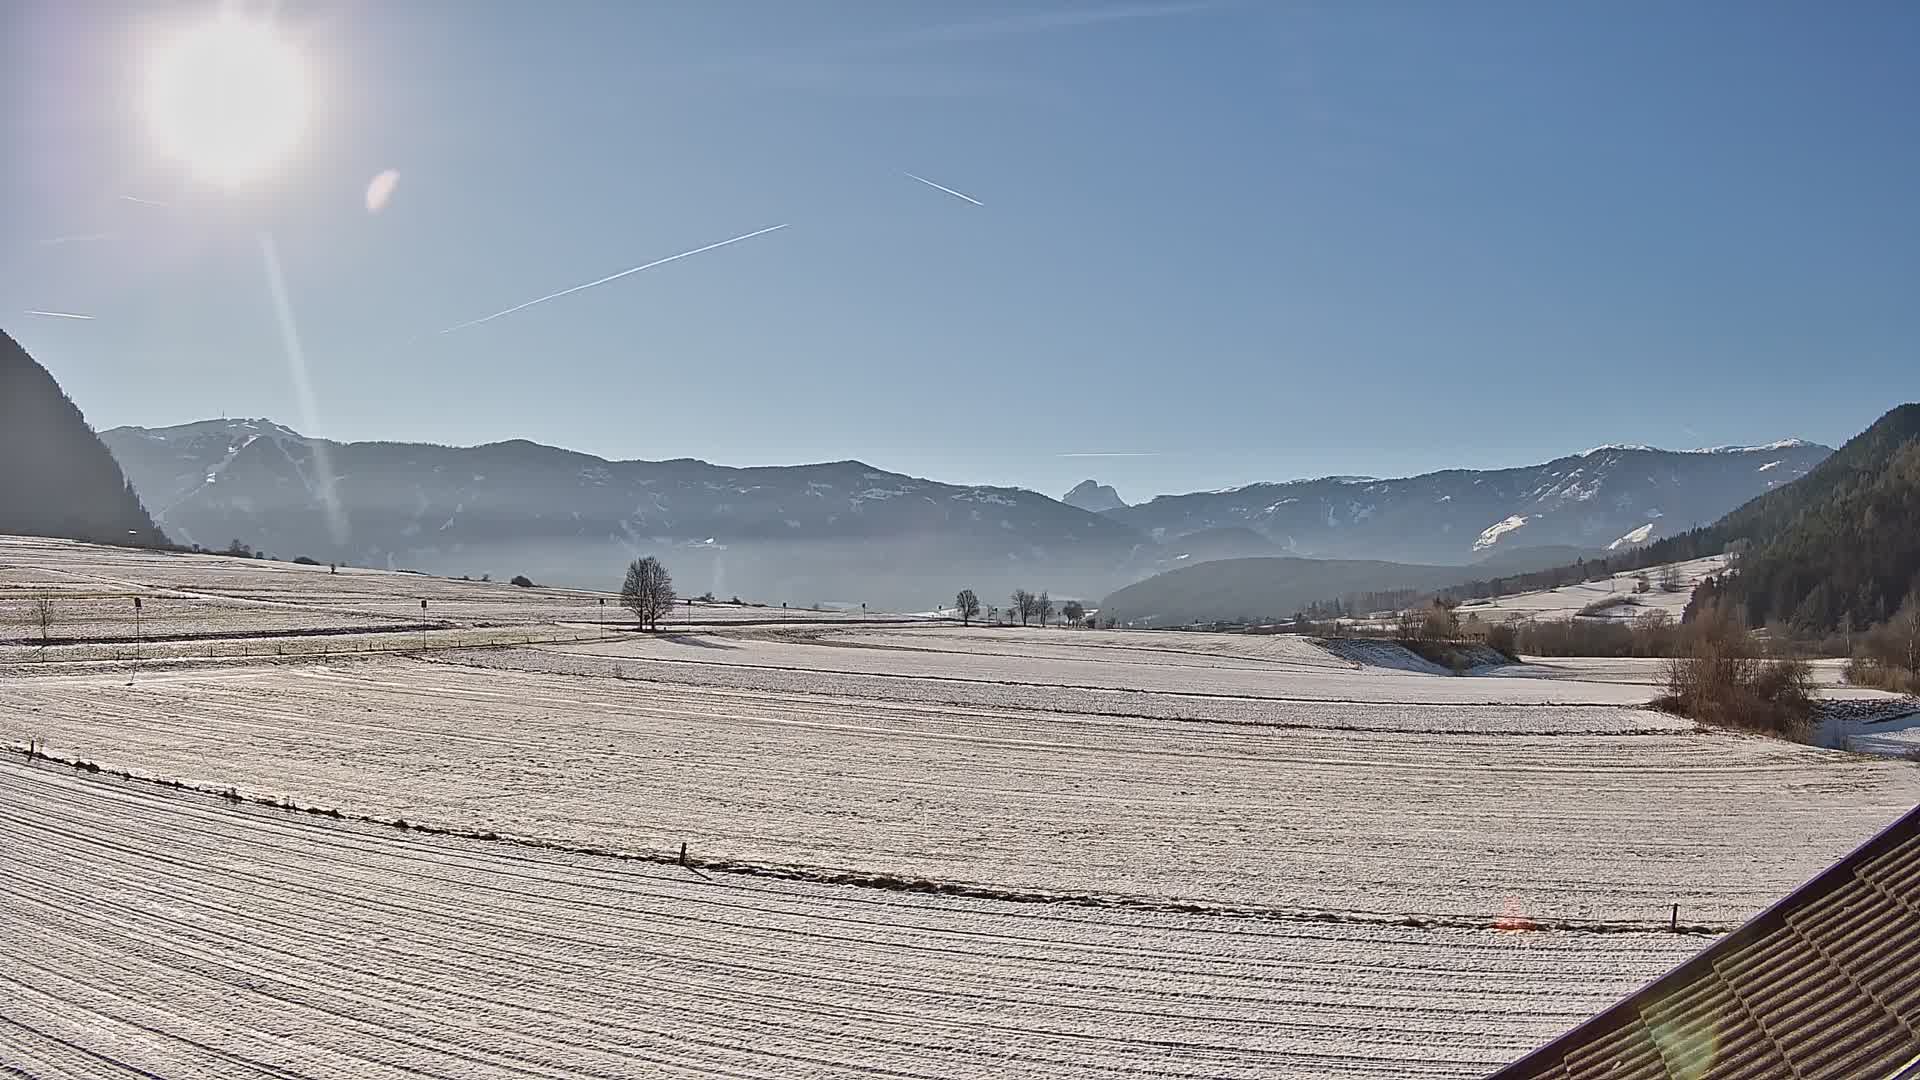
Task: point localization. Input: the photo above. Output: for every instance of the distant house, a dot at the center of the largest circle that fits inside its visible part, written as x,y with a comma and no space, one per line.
1825,983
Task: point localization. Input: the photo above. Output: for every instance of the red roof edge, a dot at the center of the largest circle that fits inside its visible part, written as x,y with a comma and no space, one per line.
1905,828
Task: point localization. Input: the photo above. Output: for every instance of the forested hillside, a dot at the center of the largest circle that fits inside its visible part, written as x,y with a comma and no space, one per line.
1839,549
56,479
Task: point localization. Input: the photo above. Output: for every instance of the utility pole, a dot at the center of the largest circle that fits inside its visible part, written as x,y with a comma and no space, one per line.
136,641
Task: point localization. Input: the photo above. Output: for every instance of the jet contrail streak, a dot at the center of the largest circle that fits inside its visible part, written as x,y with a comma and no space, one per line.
75,238
59,314
143,202
611,277
948,190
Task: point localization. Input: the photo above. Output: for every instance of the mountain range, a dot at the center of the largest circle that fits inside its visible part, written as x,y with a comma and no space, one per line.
1606,497
834,532
850,532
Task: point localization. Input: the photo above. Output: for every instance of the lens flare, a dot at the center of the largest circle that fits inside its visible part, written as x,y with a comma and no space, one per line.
229,98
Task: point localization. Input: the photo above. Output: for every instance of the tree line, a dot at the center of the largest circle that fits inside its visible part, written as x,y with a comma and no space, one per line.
1023,605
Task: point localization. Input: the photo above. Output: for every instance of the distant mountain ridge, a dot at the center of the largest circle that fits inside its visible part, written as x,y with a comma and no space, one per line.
1609,496
847,531
56,477
836,531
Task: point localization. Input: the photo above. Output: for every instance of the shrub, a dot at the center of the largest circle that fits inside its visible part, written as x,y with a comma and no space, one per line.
304,560
523,581
1719,678
1867,671
1504,639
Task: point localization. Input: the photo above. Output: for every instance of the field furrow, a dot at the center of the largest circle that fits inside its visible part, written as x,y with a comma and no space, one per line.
171,934
1304,807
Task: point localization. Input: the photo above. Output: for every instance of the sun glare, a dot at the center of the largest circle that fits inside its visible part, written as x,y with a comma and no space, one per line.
228,98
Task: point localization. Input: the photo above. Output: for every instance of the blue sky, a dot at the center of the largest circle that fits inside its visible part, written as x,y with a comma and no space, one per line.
1235,241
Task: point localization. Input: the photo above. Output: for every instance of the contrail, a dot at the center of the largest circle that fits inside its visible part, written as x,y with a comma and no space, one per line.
611,277
143,202
59,314
52,241
948,190
1113,453
303,390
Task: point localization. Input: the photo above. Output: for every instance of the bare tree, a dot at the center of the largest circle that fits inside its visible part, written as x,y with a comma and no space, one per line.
1043,607
648,591
1021,604
967,604
1441,624
41,617
1670,580
1075,612
1896,642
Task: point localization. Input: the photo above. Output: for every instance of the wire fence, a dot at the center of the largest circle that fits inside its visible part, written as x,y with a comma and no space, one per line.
26,656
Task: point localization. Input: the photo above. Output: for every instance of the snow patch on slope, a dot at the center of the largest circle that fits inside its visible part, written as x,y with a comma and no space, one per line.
1637,536
1492,534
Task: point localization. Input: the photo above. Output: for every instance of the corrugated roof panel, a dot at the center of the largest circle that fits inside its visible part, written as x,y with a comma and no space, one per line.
1824,985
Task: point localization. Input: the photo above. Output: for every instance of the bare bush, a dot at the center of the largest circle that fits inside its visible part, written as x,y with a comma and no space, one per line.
1888,657
1504,639
1720,678
1866,671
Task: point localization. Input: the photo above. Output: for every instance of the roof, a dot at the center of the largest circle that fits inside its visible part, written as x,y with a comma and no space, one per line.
1823,984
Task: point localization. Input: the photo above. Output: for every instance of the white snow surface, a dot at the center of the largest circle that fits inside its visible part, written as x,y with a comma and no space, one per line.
1566,601
1635,536
239,941
1341,840
1492,534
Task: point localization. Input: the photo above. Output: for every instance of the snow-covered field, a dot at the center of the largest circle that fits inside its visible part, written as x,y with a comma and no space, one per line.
92,589
1568,600
154,933
1277,668
1454,812
1104,853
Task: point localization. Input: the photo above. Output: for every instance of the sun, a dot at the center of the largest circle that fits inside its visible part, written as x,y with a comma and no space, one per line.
228,98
